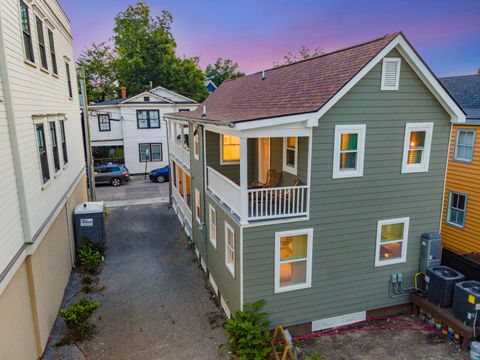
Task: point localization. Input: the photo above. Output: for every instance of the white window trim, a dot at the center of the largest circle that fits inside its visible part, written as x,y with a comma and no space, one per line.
308,282
223,162
196,141
198,205
423,166
450,193
230,267
455,157
403,257
397,75
290,169
359,129
213,239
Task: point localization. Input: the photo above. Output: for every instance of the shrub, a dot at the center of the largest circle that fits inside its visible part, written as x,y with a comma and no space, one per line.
90,257
249,334
77,318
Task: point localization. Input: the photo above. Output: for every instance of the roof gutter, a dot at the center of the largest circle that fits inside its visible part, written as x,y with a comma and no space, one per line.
212,122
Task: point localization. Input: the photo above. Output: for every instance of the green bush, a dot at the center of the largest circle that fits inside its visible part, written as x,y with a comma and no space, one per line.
77,318
249,332
90,256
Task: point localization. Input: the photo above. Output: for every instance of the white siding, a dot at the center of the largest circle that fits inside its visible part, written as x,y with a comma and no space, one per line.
116,132
35,92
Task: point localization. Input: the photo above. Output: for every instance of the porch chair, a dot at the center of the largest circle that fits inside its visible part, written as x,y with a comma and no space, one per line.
273,178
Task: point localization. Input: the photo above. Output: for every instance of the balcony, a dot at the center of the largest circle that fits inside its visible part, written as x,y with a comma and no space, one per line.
178,143
180,152
270,181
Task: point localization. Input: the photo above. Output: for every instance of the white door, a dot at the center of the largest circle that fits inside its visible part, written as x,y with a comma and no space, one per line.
263,158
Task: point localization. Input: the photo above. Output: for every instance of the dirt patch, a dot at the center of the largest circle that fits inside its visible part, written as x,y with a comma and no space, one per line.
361,342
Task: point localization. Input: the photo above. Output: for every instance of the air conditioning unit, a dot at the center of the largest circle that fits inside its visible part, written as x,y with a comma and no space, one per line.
466,301
430,250
441,282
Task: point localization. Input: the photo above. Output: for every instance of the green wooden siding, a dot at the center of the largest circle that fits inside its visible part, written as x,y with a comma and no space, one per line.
344,212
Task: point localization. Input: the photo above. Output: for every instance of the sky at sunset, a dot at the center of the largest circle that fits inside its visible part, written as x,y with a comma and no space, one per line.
255,34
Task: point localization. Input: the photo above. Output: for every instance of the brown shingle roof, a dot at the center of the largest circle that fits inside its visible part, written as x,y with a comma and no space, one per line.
301,87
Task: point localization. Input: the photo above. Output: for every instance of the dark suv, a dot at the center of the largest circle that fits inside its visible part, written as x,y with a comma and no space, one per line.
111,174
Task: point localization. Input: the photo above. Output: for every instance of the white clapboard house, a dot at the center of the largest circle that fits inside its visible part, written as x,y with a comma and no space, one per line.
132,131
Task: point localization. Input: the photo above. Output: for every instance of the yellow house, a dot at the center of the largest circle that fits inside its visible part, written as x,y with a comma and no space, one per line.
461,215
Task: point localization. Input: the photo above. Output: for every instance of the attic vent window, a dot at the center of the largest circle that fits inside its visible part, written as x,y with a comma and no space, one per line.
390,73
146,98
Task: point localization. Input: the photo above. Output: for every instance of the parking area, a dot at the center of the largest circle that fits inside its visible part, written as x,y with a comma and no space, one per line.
139,191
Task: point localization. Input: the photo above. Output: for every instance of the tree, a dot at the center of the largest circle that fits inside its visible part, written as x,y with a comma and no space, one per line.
222,70
101,75
303,54
146,53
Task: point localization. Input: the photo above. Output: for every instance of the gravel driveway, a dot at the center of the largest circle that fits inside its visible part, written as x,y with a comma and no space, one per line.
155,304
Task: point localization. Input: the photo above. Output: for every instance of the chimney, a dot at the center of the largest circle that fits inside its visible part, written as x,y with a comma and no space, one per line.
124,92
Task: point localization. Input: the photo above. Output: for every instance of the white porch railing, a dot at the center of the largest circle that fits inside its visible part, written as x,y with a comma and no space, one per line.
225,189
180,153
183,205
277,202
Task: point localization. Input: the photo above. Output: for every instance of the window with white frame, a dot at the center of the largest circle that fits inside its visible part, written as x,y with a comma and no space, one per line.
229,149
230,248
349,151
196,145
198,206
290,154
416,148
27,31
392,238
464,144
212,227
391,74
457,207
293,260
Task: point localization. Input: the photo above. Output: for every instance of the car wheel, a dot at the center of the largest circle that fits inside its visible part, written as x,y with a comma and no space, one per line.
160,178
116,182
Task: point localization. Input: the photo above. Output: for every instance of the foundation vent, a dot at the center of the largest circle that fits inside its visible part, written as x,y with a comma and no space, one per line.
338,321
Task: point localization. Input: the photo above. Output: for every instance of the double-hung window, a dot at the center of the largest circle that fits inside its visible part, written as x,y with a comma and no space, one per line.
457,207
41,43
392,238
53,135
198,206
53,56
69,80
290,154
349,151
150,152
230,248
293,260
104,122
416,148
464,145
229,149
64,142
212,227
148,119
42,152
27,31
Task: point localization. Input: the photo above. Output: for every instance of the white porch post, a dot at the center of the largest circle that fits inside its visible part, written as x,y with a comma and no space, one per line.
243,180
181,136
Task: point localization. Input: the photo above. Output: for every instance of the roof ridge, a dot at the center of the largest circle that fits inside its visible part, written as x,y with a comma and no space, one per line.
393,34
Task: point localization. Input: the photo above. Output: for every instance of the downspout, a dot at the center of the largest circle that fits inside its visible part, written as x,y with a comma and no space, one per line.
12,132
445,179
169,164
204,200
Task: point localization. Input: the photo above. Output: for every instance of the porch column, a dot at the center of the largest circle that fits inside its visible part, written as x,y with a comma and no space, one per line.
181,135
243,180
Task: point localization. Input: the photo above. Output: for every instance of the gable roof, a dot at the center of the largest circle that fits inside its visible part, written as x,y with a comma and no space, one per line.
307,86
466,90
160,94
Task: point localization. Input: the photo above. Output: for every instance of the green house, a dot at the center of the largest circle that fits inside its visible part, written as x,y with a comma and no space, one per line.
309,184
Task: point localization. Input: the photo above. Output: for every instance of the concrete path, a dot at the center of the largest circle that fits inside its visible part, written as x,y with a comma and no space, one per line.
156,302
139,191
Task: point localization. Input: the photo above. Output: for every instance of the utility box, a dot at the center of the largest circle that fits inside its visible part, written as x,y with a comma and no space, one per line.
441,282
430,251
89,220
466,301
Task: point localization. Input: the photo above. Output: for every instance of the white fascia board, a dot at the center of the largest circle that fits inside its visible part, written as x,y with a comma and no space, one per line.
420,69
145,93
310,119
172,92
